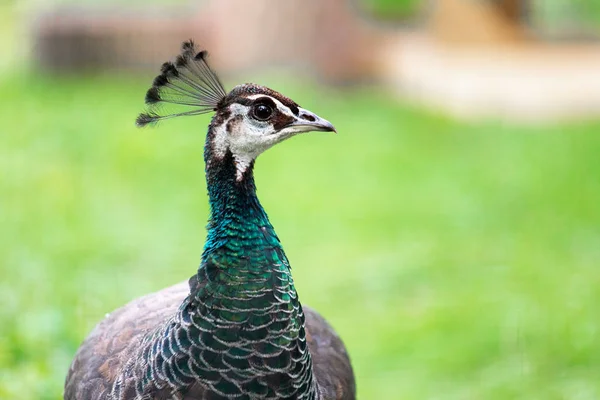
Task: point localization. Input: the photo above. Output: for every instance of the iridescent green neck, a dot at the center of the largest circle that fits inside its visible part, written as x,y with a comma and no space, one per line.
238,228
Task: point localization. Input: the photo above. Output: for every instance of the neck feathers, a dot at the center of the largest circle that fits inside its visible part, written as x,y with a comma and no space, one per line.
237,218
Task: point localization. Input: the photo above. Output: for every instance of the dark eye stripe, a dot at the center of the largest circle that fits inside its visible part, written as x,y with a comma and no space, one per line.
281,120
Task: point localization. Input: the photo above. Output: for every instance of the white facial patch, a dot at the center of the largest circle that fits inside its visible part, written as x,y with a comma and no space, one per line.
247,137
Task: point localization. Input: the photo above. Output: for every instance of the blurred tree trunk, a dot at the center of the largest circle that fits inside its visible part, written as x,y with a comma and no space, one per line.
514,10
478,22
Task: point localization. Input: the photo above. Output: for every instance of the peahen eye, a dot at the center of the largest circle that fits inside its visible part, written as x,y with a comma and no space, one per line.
262,112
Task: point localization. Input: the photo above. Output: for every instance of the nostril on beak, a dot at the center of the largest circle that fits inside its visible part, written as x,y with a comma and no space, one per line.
308,117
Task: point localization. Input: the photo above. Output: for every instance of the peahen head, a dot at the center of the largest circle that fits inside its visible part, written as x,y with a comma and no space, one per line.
248,120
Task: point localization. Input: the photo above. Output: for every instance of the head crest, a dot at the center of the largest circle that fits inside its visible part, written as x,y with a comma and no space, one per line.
188,81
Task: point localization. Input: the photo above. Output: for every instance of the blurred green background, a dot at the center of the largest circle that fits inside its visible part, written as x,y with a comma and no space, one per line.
550,13
456,260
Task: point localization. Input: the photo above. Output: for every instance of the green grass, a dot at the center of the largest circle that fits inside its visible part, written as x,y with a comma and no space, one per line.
457,261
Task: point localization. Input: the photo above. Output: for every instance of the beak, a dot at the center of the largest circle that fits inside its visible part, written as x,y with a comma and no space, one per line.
308,121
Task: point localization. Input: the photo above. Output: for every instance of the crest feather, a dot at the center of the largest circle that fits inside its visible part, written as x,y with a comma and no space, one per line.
189,81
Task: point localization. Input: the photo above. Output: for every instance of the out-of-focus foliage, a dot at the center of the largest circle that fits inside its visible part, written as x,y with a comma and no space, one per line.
549,14
566,16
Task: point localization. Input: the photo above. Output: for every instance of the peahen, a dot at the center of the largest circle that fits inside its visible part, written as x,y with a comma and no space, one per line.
236,329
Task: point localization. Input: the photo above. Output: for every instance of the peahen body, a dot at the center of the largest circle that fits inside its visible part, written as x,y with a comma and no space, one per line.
237,329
